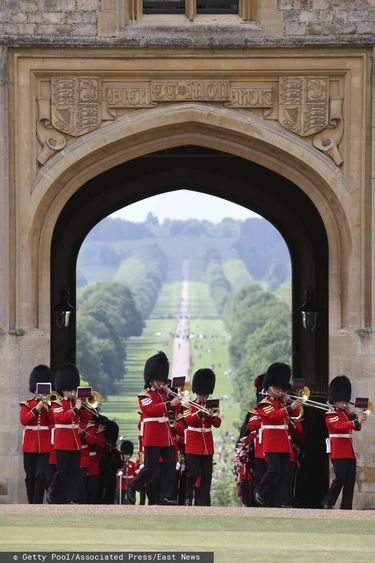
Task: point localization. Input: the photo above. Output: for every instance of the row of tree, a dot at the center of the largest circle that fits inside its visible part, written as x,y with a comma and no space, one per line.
110,312
260,329
107,316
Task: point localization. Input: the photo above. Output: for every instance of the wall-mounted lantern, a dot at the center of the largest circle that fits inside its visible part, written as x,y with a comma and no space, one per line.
63,310
309,311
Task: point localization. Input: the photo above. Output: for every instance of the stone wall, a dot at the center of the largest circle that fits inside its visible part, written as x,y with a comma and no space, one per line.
49,17
79,18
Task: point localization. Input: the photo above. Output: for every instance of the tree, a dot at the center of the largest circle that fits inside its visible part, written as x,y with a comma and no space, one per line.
107,316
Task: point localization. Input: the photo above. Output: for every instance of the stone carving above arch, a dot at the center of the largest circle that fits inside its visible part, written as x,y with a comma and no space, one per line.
79,104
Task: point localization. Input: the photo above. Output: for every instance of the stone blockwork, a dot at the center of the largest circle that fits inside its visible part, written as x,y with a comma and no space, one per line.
101,18
328,17
43,18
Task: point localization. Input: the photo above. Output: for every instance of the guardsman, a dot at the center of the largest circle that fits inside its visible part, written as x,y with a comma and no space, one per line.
126,474
274,437
110,463
341,421
253,427
68,413
96,440
157,435
85,434
297,438
36,442
199,444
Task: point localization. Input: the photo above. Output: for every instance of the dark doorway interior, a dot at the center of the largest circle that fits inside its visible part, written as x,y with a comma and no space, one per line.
274,197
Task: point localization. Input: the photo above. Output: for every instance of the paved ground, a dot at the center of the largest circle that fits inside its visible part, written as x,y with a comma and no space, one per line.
178,511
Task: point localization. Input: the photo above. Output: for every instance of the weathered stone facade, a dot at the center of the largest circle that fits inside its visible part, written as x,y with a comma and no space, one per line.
86,85
94,18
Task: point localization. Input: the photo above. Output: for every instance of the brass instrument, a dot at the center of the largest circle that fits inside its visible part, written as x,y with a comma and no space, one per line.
215,411
51,397
93,401
298,418
183,392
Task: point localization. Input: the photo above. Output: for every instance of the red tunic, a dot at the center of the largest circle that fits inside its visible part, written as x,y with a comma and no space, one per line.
128,474
274,415
340,427
85,426
66,432
198,435
96,441
297,437
155,428
253,426
37,433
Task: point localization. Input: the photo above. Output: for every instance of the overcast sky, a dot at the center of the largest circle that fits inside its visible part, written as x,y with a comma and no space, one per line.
184,204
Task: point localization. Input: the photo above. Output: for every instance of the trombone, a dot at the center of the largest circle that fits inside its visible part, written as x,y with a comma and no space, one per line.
93,401
183,392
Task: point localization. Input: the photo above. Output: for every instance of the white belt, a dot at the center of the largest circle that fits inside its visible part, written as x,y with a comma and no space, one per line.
275,427
270,427
92,453
198,429
66,426
328,440
156,419
152,419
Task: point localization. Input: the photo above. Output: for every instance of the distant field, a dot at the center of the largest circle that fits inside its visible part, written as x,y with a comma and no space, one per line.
157,335
233,539
176,248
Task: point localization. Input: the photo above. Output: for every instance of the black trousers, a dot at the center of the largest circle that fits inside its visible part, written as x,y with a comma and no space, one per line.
160,475
275,484
345,473
91,489
260,467
37,475
199,465
82,485
67,462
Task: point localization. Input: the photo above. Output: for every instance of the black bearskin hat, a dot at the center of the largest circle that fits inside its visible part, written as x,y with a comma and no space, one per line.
111,431
127,447
340,389
259,385
40,374
67,378
277,375
204,381
156,367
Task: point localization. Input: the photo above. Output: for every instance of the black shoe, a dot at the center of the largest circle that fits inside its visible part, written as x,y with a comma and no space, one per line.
326,506
188,502
130,495
50,496
259,499
169,502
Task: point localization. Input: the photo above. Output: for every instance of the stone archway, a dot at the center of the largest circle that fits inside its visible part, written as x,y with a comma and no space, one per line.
251,140
193,124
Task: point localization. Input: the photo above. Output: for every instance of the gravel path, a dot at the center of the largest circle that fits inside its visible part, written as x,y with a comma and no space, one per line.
178,511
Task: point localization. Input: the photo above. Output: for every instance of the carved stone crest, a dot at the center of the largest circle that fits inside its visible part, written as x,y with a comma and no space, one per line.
304,104
75,104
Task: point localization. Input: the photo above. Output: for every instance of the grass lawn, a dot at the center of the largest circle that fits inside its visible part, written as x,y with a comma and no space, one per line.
231,538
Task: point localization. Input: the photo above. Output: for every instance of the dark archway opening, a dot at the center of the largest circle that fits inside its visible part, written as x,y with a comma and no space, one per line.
243,182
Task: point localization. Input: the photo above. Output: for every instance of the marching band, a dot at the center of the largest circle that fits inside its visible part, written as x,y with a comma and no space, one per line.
70,449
